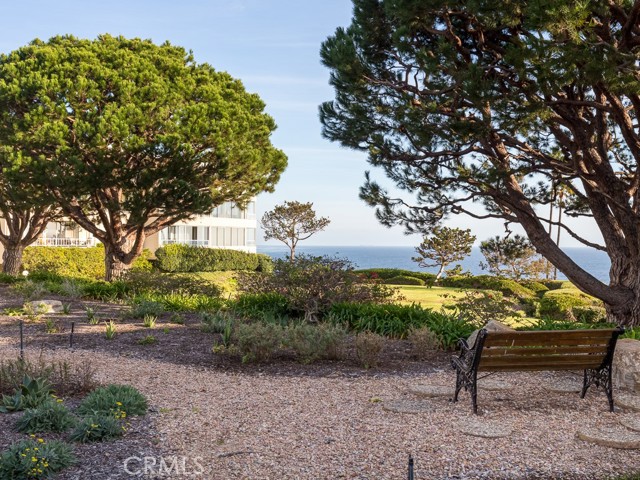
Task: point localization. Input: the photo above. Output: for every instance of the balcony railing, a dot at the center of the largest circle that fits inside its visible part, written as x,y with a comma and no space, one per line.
64,242
193,243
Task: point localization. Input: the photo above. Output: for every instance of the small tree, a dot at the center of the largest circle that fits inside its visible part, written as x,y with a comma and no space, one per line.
445,246
292,222
513,257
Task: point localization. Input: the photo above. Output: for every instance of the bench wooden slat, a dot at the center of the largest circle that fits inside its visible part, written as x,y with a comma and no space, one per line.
534,368
549,338
499,351
579,361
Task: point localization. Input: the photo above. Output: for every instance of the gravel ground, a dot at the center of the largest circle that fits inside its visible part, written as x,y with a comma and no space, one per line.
265,426
215,420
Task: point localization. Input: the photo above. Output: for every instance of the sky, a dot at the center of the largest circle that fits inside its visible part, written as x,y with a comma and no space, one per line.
273,47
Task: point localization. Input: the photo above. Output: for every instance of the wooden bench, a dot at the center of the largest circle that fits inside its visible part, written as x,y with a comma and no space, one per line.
588,350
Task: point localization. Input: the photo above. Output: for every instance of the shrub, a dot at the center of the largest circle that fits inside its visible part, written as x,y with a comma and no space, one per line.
265,263
262,306
50,457
117,401
75,262
387,273
508,287
144,308
480,306
51,416
368,348
404,280
559,303
64,378
147,340
314,342
312,285
30,289
182,302
149,321
553,284
110,329
32,393
185,258
96,428
106,291
422,341
591,314
215,322
144,282
538,288
258,342
9,279
450,329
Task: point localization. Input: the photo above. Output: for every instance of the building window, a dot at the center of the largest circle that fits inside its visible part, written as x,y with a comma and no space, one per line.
251,236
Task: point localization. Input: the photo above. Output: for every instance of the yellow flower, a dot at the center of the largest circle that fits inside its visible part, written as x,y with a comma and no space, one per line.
40,440
119,404
34,459
32,436
59,400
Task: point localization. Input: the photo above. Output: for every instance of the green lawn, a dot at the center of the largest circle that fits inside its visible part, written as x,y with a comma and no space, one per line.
432,297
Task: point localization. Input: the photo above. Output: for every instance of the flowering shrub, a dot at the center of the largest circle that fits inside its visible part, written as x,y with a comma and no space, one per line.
117,401
35,459
96,428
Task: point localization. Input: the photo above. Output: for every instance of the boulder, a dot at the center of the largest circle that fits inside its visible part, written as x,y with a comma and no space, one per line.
46,306
626,365
491,326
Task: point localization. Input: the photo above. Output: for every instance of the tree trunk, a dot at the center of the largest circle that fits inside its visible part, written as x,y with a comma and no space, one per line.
115,265
12,259
440,272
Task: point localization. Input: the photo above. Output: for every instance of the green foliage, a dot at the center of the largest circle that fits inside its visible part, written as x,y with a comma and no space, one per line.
215,322
513,257
291,222
64,378
17,462
154,282
9,279
404,280
185,258
559,303
368,348
106,291
147,340
149,321
479,306
258,342
30,289
182,302
553,284
72,262
590,314
444,246
92,318
315,342
537,287
508,287
110,329
387,273
96,428
32,393
632,333
50,416
143,125
143,308
312,285
113,400
177,318
262,306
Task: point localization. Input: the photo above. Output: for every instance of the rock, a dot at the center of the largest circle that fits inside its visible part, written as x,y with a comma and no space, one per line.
491,326
46,306
627,401
409,406
484,428
626,365
632,422
610,436
432,390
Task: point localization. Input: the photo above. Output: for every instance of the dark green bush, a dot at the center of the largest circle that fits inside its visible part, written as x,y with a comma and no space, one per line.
265,263
9,279
590,314
51,416
315,342
114,400
262,306
398,321
141,282
75,262
96,428
553,284
185,258
51,456
404,280
509,288
312,284
387,273
559,303
535,286
106,291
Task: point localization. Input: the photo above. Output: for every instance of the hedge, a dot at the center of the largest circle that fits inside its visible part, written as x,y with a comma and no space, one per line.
76,262
387,273
185,258
508,287
558,303
404,280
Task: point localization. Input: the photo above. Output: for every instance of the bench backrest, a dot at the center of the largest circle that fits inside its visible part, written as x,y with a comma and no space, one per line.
546,349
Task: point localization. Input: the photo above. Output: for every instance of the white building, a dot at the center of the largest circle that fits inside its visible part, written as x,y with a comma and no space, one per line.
227,226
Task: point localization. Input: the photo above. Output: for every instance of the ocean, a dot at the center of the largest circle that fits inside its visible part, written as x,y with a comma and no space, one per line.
594,261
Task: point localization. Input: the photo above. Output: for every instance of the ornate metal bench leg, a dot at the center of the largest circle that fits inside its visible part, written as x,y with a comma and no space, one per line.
585,385
458,385
609,388
474,393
